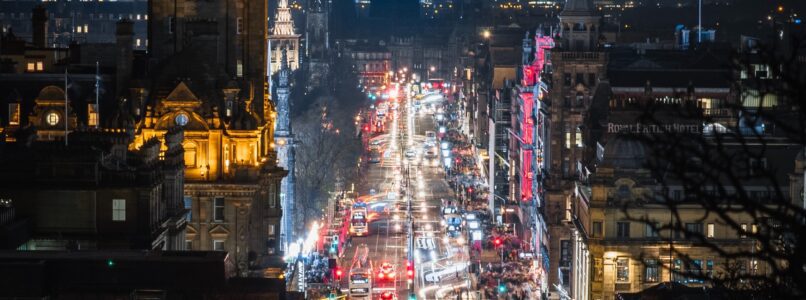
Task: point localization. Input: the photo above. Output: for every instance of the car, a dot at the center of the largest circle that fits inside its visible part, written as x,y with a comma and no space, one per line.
410,153
388,295
431,153
387,272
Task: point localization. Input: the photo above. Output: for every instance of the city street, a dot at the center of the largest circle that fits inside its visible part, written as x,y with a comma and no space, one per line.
439,262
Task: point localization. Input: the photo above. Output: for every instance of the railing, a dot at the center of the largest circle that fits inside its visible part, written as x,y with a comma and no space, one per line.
580,55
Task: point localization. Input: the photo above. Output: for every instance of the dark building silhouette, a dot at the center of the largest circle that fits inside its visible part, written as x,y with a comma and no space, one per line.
129,275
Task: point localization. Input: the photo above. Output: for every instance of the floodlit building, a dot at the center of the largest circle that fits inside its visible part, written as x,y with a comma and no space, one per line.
283,38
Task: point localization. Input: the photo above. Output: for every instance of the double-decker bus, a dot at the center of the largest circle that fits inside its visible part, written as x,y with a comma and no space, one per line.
360,284
359,219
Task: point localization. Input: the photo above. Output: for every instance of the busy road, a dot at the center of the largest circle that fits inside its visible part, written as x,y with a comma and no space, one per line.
404,191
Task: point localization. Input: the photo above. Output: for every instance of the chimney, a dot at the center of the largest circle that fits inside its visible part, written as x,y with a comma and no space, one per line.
124,35
39,26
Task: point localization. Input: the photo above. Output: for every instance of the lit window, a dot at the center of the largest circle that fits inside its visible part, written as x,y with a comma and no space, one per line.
86,28
218,209
171,24
31,67
753,228
79,29
744,231
40,66
13,114
239,69
710,233
92,115
271,229
138,16
623,269
567,140
218,245
239,25
188,244
137,43
651,271
578,141
52,119
118,209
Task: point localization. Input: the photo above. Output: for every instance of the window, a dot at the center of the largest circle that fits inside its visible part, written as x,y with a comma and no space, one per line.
710,231
565,253
623,229
79,29
677,269
693,229
13,114
92,115
623,269
567,139
31,67
709,268
597,229
695,270
86,28
171,24
40,66
138,17
218,209
188,244
218,245
119,210
677,195
651,232
578,140
567,79
52,118
239,69
188,201
239,25
743,233
579,78
271,229
651,270
591,79
137,43
753,228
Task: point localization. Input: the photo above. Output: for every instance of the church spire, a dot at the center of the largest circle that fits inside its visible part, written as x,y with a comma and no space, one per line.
283,25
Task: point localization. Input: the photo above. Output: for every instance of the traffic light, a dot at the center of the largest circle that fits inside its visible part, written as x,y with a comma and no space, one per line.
110,263
338,273
333,249
502,288
412,296
331,296
470,190
409,270
497,242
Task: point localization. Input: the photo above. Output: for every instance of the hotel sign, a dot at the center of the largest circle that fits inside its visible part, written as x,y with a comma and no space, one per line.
639,128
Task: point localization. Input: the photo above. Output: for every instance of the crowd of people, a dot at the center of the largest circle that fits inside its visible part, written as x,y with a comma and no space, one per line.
508,280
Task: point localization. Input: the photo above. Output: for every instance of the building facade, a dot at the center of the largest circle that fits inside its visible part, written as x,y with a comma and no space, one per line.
90,192
209,78
283,38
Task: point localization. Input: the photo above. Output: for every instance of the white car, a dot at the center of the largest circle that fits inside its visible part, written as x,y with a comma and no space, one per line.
411,153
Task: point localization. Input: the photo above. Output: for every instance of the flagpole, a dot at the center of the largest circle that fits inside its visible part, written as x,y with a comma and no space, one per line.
65,107
97,90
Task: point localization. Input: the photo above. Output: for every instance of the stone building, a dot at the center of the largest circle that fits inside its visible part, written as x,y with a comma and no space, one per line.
215,88
577,65
628,255
283,38
93,193
317,43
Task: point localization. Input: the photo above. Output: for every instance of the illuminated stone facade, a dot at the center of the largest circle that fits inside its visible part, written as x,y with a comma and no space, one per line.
283,38
210,78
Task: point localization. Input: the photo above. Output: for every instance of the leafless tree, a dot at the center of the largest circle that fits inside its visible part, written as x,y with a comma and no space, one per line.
739,169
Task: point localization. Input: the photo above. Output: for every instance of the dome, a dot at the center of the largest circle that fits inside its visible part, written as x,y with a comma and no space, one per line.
51,93
624,153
